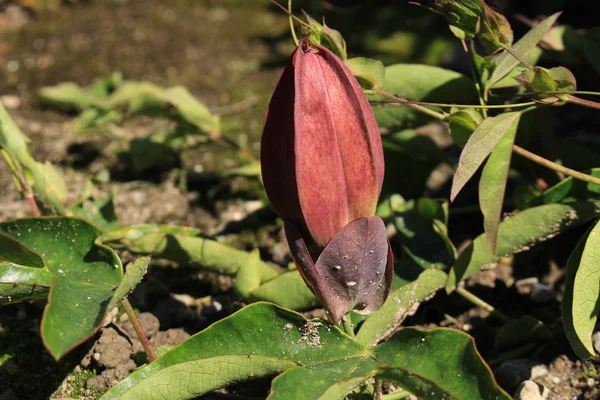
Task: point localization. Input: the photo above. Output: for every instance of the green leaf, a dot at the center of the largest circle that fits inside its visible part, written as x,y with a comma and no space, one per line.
287,290
436,364
326,37
591,47
518,233
259,341
495,33
422,231
581,299
569,190
480,145
134,273
99,210
183,245
419,82
47,183
408,150
462,15
462,125
143,98
508,81
547,80
506,62
81,275
521,331
492,185
69,96
369,73
388,318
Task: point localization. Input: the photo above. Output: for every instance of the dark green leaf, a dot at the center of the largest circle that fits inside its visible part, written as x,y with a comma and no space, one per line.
420,83
547,80
495,33
518,233
581,299
492,185
506,62
382,323
569,190
369,73
480,145
437,364
82,275
462,15
519,332
408,150
591,47
422,232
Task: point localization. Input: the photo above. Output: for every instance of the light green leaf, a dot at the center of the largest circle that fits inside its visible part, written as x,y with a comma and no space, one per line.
388,318
259,341
183,245
419,82
506,62
369,73
288,290
462,125
462,15
581,299
480,145
518,233
547,80
134,273
569,190
492,185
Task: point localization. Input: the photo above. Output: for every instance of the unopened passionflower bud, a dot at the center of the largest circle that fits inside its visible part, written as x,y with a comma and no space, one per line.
322,167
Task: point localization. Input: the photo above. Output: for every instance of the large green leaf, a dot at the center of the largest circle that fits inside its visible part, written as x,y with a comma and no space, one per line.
492,184
569,190
519,233
506,62
581,299
382,323
81,275
185,246
462,15
437,364
420,83
480,145
260,340
288,290
264,340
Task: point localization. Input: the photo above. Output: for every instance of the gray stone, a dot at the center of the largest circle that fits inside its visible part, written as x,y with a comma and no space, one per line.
596,341
530,390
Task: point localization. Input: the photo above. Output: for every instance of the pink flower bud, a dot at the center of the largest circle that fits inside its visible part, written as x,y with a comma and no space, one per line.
322,167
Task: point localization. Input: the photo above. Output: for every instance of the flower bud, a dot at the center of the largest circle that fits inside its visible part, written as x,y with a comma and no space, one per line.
322,168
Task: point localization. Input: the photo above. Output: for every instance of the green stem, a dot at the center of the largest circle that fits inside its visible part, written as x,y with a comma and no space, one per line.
396,396
417,107
554,166
348,326
492,106
139,330
476,77
480,303
290,15
583,92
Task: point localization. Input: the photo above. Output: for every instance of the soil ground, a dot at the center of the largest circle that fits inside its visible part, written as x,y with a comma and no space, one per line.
227,53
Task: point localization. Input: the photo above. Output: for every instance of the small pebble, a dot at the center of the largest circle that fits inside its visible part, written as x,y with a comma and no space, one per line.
530,390
596,341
